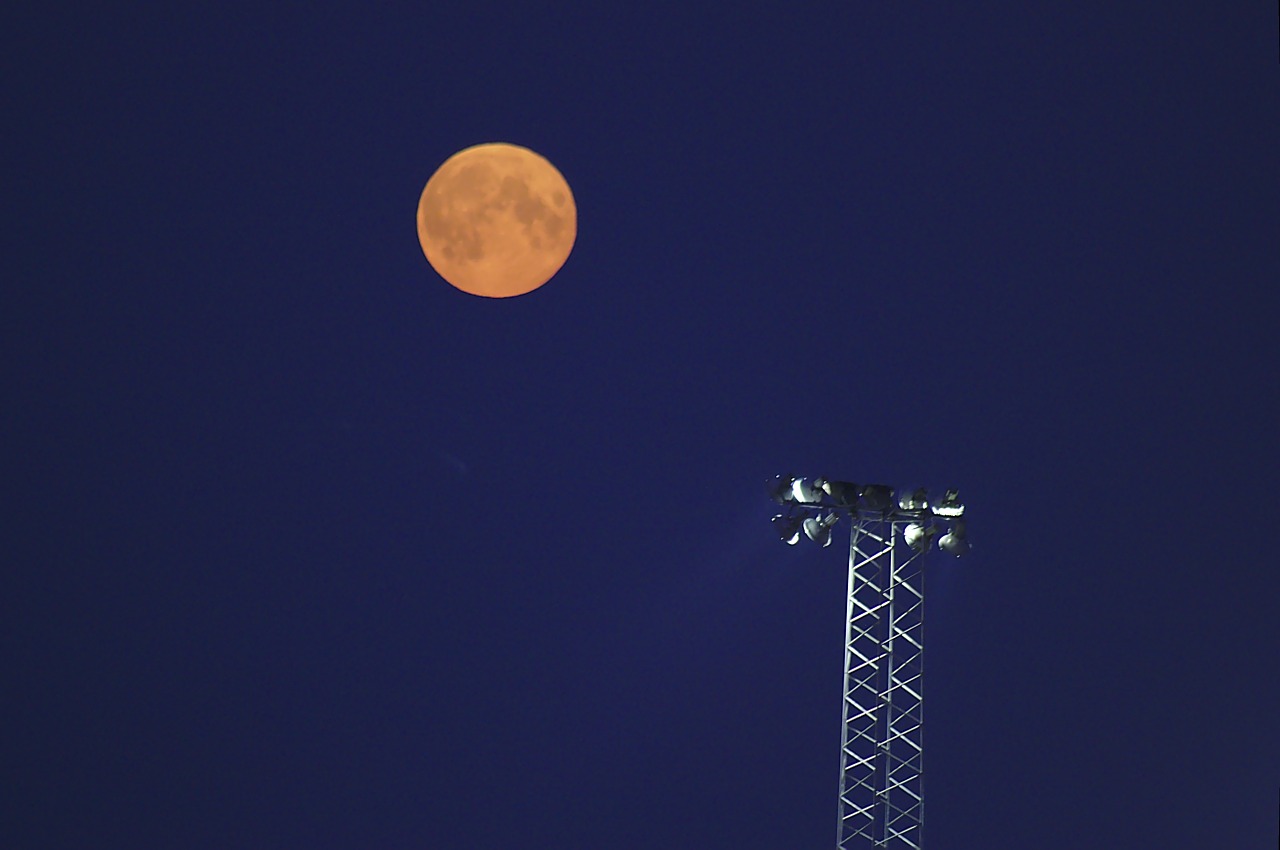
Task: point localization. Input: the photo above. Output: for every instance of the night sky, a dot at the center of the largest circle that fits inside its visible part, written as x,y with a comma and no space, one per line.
304,548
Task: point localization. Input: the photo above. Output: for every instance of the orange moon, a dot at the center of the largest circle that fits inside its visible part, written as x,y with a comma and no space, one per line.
497,220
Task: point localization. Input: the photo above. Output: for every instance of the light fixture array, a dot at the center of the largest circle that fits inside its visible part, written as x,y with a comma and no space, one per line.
815,505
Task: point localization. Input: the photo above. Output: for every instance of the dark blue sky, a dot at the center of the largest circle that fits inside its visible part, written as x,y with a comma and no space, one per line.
305,548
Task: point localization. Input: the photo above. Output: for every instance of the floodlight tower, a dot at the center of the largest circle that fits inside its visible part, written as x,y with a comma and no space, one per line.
882,744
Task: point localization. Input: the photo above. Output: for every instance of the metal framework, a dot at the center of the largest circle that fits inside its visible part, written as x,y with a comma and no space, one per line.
882,746
882,740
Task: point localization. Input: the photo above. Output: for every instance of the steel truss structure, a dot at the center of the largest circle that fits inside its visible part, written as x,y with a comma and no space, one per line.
882,739
882,746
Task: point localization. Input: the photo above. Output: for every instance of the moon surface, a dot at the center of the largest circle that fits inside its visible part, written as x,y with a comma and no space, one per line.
497,220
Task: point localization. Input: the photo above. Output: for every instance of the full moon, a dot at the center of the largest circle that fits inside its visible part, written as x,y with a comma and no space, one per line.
497,220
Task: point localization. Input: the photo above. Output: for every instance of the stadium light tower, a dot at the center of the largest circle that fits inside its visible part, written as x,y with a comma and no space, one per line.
882,743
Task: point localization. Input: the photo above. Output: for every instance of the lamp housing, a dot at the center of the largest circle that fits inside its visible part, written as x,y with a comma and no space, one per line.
844,493
949,505
954,542
914,500
807,492
819,530
919,536
877,497
788,528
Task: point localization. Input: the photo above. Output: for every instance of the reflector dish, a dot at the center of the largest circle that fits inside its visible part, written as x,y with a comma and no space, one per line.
950,505
817,531
877,497
919,536
788,528
843,493
916,500
806,493
954,541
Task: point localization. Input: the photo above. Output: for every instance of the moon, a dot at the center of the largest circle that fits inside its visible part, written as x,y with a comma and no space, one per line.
497,220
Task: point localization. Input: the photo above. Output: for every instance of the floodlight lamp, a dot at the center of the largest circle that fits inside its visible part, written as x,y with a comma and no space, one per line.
843,493
819,530
780,488
918,536
954,542
788,528
805,492
916,500
877,497
950,505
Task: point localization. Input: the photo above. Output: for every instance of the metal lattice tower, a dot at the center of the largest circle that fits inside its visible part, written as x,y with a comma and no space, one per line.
881,802
882,746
